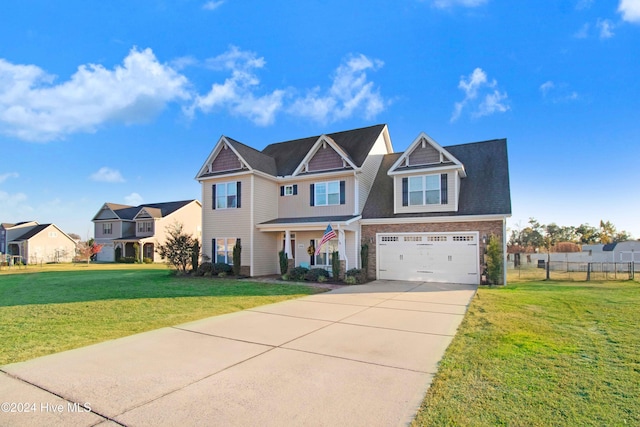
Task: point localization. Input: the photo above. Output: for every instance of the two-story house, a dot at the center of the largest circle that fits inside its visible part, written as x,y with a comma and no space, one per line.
33,243
124,227
424,214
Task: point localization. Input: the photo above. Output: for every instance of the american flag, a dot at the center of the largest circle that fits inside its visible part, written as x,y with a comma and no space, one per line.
328,235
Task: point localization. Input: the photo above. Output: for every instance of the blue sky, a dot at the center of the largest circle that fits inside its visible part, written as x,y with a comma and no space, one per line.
122,101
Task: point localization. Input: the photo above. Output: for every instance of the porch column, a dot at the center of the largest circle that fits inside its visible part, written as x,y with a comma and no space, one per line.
342,248
287,244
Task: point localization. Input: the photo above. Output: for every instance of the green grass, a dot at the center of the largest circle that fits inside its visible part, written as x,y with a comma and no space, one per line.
540,354
55,308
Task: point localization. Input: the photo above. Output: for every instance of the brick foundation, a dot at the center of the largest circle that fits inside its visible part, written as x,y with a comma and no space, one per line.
484,228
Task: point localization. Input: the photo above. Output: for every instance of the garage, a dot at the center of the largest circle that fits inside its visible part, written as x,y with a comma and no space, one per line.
429,257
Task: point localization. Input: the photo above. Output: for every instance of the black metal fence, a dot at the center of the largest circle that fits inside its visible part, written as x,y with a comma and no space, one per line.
577,271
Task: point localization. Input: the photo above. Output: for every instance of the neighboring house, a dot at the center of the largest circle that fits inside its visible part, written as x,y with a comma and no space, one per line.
425,214
628,251
37,243
146,225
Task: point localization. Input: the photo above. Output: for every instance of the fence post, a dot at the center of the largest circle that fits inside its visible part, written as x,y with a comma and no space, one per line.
588,272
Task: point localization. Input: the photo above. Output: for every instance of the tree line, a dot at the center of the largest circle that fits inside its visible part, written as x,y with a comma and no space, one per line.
553,237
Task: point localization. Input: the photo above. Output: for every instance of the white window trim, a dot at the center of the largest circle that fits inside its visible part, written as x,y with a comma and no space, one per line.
107,228
326,184
226,194
228,249
424,190
288,190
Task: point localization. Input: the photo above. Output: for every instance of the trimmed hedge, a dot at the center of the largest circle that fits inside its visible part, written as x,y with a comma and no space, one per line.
314,274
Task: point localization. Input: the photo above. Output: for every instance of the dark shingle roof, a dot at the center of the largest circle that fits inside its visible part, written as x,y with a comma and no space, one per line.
485,190
255,158
356,143
166,208
323,219
32,232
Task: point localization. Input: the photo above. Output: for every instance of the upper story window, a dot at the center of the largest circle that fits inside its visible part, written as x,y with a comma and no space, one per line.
106,228
53,234
226,195
424,190
145,226
327,193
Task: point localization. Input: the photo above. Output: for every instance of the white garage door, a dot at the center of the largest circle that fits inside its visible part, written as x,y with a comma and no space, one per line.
107,253
429,257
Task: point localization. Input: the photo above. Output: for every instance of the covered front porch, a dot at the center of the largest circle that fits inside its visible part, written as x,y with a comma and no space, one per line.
136,248
299,238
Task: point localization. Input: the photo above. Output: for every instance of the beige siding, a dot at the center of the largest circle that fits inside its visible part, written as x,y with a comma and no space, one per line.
299,206
50,245
451,196
226,223
116,230
190,216
265,245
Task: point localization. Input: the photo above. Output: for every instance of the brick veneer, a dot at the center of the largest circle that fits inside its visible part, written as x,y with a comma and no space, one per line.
484,228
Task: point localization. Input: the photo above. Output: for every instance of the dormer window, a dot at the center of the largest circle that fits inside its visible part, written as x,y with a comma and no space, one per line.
424,190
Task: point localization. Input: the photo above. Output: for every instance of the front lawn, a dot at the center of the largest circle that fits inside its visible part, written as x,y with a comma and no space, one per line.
51,309
540,354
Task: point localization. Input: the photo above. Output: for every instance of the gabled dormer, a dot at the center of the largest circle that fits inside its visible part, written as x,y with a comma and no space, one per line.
426,178
233,157
145,221
325,155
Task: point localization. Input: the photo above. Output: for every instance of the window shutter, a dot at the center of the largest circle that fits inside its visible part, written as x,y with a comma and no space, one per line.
312,195
444,197
405,191
213,251
281,190
239,194
295,189
342,195
312,257
213,192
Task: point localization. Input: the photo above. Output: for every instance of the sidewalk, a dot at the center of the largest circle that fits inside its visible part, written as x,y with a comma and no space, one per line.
358,355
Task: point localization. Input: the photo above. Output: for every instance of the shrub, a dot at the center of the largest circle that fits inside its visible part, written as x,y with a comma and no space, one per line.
284,262
147,260
494,261
118,253
357,273
322,279
315,274
204,268
298,273
221,267
350,280
364,259
237,257
128,260
222,274
195,254
335,265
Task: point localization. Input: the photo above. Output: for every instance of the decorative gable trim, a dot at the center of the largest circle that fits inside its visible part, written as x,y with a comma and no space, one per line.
223,158
318,160
108,217
424,153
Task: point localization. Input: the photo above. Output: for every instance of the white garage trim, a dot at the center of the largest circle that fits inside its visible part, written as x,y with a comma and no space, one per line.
450,257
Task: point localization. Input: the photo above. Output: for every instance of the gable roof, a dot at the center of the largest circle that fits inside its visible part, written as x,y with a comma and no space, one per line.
283,158
156,210
39,229
485,190
447,159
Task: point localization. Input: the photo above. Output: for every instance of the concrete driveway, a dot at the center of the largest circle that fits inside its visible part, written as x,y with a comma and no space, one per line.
359,355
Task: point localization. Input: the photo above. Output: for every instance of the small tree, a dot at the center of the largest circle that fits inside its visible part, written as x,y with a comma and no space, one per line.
237,257
195,254
335,265
364,258
136,252
118,253
177,249
284,263
494,261
85,250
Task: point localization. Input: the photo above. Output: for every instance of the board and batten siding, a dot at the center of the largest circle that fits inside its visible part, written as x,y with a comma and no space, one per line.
451,205
299,205
221,223
265,245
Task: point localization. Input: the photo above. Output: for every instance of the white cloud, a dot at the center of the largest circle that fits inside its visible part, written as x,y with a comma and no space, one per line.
583,32
133,199
606,28
212,5
445,4
14,207
478,83
630,10
558,93
5,176
237,92
34,108
584,4
350,93
106,174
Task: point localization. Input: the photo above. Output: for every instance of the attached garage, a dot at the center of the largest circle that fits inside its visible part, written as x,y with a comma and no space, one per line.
429,257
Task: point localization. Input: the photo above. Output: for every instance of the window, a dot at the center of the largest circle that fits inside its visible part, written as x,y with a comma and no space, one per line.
327,193
145,226
226,195
53,234
424,190
106,228
224,250
324,257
